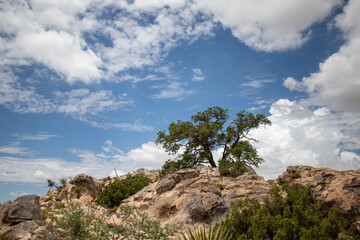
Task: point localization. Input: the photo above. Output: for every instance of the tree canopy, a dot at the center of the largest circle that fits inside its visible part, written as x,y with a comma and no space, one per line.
206,132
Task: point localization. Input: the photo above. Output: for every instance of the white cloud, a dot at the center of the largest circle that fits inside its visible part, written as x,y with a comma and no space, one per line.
99,165
137,126
302,136
198,75
149,155
174,90
269,25
42,136
78,103
257,83
337,83
14,149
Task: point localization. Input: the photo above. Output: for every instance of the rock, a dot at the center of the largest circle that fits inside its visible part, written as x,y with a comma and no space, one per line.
20,231
152,174
24,208
86,200
196,196
88,185
339,189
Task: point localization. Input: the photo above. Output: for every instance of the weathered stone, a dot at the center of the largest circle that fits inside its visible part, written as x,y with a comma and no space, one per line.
89,186
20,231
165,184
340,189
24,208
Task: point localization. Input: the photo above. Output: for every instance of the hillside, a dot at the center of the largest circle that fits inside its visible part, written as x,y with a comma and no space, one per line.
187,197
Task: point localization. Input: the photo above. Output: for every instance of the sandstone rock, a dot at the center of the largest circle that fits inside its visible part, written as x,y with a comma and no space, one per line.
20,231
86,199
339,189
152,174
89,185
24,208
196,196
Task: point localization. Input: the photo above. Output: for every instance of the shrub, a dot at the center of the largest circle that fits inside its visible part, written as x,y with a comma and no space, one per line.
115,192
170,166
76,224
136,225
63,180
296,216
220,186
295,175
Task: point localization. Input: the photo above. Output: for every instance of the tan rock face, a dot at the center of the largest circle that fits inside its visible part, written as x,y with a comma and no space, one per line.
196,196
339,189
88,185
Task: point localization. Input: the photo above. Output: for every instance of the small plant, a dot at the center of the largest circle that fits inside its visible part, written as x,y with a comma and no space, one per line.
59,205
220,186
214,233
63,180
76,224
77,190
48,199
295,175
71,181
136,225
113,210
115,192
170,166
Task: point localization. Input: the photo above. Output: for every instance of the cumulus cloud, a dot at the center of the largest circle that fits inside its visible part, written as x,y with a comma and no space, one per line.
100,165
198,75
81,45
269,25
337,82
301,135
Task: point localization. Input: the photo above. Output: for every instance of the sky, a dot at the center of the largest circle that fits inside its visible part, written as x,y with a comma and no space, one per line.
85,85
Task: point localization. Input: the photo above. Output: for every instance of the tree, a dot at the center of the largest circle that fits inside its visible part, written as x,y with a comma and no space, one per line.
206,132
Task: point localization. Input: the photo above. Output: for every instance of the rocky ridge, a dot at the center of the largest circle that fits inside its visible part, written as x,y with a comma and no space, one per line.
198,196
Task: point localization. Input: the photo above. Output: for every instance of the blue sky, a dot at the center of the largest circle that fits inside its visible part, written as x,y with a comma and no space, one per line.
86,85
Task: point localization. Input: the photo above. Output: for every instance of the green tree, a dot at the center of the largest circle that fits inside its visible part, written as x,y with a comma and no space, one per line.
207,132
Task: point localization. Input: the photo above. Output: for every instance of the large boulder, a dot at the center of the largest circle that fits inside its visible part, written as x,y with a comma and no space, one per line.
339,189
24,208
88,185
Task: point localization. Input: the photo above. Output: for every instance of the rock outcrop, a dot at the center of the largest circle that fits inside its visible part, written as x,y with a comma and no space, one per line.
196,196
339,189
186,197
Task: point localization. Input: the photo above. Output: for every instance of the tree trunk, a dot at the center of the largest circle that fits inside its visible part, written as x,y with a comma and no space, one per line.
211,161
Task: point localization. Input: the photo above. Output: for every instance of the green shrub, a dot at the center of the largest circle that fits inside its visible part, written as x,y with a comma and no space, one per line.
170,166
295,175
63,180
214,233
296,216
115,192
76,224
220,186
136,225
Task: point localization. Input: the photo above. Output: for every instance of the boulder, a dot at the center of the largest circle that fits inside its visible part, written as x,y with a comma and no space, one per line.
339,189
24,208
88,185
